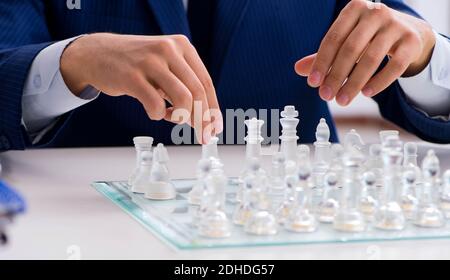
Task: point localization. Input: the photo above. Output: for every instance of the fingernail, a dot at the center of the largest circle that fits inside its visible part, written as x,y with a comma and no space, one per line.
343,99
326,93
315,78
367,92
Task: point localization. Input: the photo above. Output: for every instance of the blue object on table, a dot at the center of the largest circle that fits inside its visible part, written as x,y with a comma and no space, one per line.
11,202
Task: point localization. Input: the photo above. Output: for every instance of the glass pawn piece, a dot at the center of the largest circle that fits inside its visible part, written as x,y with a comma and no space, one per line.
428,214
261,222
410,161
384,134
283,210
408,200
389,214
203,169
348,217
246,207
301,219
214,222
445,196
368,203
329,205
141,144
143,174
160,187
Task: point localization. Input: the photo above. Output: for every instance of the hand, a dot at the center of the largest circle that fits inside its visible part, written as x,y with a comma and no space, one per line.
356,45
151,69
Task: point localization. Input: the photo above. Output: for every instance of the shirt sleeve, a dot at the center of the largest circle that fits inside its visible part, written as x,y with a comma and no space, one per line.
46,96
429,91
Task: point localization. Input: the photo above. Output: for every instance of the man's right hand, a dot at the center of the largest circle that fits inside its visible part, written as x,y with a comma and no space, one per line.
151,69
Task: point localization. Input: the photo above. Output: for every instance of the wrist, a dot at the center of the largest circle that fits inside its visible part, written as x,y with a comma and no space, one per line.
73,66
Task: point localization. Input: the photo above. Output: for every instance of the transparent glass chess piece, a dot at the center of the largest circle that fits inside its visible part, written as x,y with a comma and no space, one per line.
278,174
445,195
428,214
213,222
143,174
329,205
160,187
408,200
246,207
301,219
368,203
349,218
289,122
389,215
384,134
337,151
253,141
410,161
203,169
353,140
321,153
262,221
284,209
141,144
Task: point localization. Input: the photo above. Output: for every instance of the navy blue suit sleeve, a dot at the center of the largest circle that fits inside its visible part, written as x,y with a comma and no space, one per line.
395,107
23,34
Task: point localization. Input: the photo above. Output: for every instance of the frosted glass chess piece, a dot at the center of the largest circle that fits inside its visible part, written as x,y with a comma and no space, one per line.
289,122
329,205
203,169
374,163
278,174
301,218
353,140
160,187
210,151
321,153
214,222
384,134
408,200
252,150
368,203
141,144
389,215
410,161
261,222
247,206
348,217
337,151
143,175
445,196
284,209
428,214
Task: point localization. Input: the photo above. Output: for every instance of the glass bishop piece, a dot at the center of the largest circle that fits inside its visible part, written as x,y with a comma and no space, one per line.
301,219
389,214
428,213
329,205
348,217
261,222
445,196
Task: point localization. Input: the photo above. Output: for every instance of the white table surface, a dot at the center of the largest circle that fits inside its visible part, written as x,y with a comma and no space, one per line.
67,218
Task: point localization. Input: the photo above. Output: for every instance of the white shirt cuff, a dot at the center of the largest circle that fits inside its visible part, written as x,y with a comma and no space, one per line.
429,91
46,96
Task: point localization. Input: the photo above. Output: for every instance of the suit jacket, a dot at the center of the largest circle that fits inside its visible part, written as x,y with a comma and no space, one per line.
255,46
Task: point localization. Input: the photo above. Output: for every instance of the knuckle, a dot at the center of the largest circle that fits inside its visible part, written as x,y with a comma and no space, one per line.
349,48
372,57
334,79
208,84
357,4
166,47
399,63
180,39
198,91
333,37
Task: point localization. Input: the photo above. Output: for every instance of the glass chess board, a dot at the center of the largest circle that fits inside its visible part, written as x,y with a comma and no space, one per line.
171,221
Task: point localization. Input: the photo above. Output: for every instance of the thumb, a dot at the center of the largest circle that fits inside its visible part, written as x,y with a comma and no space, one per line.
304,65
